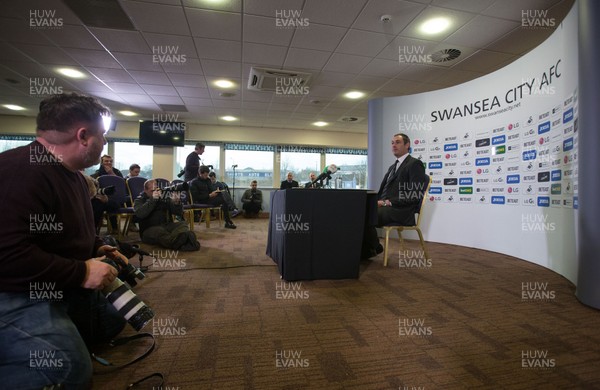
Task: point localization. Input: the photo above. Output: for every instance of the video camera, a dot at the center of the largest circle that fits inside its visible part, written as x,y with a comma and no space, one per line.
109,190
132,308
181,173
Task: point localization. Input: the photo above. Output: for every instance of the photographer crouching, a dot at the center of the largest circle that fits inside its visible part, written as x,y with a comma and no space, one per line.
155,209
51,268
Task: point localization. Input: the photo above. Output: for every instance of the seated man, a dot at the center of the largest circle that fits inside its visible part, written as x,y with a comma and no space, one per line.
134,171
106,168
217,185
289,183
252,200
100,204
203,192
310,183
154,210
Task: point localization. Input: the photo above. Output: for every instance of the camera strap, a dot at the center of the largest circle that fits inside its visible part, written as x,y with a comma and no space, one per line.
122,341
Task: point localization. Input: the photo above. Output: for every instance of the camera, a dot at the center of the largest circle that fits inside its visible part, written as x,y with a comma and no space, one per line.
181,173
176,187
109,190
132,308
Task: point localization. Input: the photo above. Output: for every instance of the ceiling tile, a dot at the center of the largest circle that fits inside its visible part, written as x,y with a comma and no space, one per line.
214,24
259,29
364,43
157,18
334,12
401,12
346,63
306,59
481,31
273,56
218,49
318,37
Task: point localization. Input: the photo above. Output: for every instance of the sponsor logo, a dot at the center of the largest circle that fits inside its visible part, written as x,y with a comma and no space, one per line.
465,190
543,201
450,182
435,165
556,189
568,144
498,200
568,115
543,177
466,181
450,147
513,179
529,155
556,175
482,161
435,190
544,127
498,140
482,142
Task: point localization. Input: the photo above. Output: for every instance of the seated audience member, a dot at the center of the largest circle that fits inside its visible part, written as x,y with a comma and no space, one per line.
51,273
106,168
100,203
252,200
134,171
154,210
289,183
217,185
203,192
310,183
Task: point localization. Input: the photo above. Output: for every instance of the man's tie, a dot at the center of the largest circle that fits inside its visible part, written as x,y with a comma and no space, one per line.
391,173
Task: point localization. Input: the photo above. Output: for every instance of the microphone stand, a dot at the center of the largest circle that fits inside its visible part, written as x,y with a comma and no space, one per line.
233,195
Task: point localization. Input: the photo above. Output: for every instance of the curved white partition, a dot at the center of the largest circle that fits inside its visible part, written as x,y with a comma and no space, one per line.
502,153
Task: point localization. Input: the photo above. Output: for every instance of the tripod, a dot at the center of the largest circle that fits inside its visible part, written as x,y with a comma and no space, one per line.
233,185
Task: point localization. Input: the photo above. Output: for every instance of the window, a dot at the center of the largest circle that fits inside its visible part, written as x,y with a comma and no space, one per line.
209,157
7,144
301,164
127,153
352,170
90,170
251,165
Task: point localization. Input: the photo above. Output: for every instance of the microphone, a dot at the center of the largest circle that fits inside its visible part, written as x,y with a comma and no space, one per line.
327,172
234,166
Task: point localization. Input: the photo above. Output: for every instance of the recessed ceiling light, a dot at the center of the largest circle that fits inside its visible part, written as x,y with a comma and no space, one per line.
224,84
229,118
434,26
13,107
354,95
320,124
73,73
127,113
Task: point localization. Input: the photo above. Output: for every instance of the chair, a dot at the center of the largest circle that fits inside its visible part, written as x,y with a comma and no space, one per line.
204,208
399,229
135,186
162,183
120,196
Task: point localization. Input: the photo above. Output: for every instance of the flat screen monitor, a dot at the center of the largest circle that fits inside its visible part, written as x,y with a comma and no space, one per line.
162,133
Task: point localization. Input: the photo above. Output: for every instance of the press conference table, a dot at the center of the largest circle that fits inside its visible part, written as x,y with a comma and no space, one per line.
318,233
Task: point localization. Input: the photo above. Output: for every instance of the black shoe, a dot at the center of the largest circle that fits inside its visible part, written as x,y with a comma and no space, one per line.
379,249
230,225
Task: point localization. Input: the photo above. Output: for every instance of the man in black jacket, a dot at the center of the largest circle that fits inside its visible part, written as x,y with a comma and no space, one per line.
154,210
192,162
289,183
106,168
400,193
203,192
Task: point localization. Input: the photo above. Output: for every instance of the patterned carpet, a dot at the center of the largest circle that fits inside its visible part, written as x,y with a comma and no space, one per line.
466,319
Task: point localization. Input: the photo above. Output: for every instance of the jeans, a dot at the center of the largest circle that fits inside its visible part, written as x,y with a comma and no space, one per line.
40,344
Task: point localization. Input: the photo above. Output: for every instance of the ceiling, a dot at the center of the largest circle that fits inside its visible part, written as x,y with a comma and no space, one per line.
343,44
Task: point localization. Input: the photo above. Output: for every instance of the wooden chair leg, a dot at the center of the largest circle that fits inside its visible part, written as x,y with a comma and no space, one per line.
385,248
399,231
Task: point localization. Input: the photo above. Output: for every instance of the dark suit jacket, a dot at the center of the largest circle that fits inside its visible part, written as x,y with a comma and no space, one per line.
405,192
285,184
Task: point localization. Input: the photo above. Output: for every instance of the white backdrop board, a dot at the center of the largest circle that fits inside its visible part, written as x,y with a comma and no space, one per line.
502,153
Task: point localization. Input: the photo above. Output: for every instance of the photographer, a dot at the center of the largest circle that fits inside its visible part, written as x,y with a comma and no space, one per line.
203,192
50,268
192,162
252,200
154,209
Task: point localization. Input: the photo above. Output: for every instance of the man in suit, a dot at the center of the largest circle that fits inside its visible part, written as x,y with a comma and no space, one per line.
192,162
289,183
400,193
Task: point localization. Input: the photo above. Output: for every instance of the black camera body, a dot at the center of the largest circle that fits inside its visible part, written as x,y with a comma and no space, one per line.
176,187
181,173
108,190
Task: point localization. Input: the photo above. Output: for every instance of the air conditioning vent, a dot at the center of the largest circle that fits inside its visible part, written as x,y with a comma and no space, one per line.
264,79
351,119
445,55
